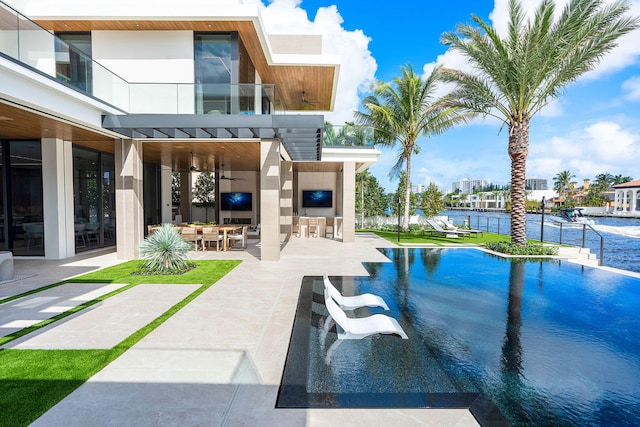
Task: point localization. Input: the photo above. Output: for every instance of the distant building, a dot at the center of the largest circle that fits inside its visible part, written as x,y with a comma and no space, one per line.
417,188
468,186
536,184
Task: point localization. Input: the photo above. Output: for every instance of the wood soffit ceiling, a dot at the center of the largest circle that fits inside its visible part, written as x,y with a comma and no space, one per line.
291,81
17,123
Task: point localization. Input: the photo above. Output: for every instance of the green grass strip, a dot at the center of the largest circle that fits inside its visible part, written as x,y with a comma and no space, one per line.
417,238
32,381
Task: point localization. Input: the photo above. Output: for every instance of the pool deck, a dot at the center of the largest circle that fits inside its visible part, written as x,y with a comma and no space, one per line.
219,360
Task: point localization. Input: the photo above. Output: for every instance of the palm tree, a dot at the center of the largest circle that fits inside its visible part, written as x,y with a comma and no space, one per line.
562,181
516,77
403,112
603,180
619,179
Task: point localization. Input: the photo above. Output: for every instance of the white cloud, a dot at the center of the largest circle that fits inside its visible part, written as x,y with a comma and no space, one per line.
357,68
632,87
602,147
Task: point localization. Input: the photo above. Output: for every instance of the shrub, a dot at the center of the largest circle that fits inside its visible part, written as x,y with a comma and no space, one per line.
513,249
164,252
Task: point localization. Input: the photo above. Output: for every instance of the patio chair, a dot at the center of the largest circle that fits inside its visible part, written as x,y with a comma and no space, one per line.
210,235
190,234
34,234
295,226
451,226
314,227
448,233
328,230
351,303
358,328
81,241
92,231
239,237
254,232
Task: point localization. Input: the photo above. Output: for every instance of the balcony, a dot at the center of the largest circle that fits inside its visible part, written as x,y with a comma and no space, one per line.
25,42
347,136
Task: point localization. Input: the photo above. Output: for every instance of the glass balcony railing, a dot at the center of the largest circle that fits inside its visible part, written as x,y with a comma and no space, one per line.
348,136
26,42
186,98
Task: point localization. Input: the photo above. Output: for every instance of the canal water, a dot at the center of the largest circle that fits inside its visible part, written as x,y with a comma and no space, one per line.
620,237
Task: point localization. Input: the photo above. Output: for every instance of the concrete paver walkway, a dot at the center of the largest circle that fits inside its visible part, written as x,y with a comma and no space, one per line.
219,360
31,309
105,324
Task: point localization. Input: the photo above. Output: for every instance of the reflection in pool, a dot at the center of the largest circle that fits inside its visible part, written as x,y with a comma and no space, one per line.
548,343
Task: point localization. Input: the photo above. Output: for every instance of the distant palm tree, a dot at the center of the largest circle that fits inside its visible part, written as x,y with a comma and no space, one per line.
562,181
518,76
603,180
403,112
619,179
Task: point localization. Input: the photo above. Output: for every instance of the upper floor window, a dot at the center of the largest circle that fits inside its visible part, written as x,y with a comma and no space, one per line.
73,60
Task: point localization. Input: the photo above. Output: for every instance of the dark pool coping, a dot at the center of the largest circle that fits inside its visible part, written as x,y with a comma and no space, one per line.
292,392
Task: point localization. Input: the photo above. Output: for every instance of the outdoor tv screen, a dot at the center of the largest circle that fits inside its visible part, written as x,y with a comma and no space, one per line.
317,198
235,201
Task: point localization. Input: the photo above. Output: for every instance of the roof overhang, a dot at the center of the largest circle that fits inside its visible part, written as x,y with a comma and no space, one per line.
301,135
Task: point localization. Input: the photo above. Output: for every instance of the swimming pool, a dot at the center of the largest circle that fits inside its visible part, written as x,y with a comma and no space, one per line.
539,343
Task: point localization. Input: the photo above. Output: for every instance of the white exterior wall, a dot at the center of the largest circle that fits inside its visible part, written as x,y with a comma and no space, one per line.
163,57
57,180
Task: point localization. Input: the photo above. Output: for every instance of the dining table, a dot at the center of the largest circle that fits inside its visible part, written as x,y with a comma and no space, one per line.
226,229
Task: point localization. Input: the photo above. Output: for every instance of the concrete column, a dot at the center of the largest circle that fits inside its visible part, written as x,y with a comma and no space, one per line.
129,197
634,200
185,196
257,91
165,191
57,177
270,200
349,202
617,200
624,201
286,200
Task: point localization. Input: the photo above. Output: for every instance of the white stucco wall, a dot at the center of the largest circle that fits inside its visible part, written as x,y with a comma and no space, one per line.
159,66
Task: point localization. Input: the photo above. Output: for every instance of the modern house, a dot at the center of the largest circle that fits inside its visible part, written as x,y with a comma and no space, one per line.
102,102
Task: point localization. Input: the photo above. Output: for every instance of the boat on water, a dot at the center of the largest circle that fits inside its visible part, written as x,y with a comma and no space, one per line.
574,215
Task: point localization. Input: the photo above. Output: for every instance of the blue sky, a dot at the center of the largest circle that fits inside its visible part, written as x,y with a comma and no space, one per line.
593,128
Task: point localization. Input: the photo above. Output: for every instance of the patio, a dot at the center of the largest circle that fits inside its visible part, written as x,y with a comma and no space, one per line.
219,360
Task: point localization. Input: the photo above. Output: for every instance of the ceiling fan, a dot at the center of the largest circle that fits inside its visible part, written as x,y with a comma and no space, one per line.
201,167
193,167
311,103
228,178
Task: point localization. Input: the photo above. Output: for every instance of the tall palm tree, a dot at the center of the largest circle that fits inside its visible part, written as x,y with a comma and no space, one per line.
404,111
562,181
519,75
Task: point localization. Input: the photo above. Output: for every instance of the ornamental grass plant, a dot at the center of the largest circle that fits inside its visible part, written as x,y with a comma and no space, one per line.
165,252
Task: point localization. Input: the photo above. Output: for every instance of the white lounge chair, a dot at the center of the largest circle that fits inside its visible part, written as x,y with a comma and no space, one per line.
358,328
437,228
451,226
351,303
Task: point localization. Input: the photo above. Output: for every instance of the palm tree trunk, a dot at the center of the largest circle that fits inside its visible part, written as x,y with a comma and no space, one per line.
407,195
518,150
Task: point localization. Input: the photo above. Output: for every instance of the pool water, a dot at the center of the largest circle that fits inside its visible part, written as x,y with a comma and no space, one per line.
532,343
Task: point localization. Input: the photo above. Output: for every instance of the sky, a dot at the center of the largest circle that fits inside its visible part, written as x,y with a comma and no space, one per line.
593,127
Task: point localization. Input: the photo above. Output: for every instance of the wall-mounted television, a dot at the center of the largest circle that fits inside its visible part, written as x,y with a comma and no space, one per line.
317,198
235,202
